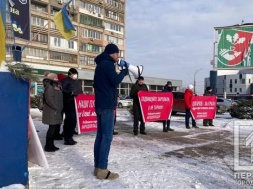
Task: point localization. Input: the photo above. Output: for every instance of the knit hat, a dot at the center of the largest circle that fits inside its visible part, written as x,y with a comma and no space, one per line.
72,71
111,49
140,78
208,88
46,73
61,76
52,76
190,86
169,83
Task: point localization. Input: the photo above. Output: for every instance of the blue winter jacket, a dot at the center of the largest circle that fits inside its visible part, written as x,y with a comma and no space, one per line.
167,89
106,80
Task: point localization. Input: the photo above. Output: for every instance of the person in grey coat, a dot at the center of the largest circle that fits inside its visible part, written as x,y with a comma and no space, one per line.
52,109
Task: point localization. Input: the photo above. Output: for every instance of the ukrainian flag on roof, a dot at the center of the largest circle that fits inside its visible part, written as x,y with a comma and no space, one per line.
63,23
2,30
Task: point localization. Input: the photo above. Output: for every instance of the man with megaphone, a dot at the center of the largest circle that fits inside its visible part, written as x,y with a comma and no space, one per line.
106,80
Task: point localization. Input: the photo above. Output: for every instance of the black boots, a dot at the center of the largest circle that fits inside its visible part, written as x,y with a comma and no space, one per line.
164,126
69,141
166,129
50,147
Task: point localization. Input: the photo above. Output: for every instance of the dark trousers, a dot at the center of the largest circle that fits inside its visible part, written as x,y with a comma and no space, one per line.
51,131
69,121
57,131
138,118
166,123
187,118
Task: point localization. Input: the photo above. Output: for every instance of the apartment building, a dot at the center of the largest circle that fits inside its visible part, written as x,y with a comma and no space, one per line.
97,23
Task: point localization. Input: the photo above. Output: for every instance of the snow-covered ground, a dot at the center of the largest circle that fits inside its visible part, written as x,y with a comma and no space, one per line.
157,160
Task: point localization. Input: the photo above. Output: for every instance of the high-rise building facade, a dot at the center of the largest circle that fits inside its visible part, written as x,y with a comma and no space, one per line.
97,23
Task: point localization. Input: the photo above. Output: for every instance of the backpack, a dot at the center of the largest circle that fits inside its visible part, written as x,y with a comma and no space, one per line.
41,102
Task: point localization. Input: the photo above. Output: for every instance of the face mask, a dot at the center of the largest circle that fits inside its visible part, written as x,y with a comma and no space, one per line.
75,76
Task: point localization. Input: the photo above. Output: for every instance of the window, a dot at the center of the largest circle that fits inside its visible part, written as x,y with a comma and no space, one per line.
159,88
235,80
38,21
33,52
91,7
231,81
114,27
112,15
152,87
249,81
115,3
63,43
89,20
39,7
88,87
40,37
69,58
71,44
235,89
243,81
86,47
87,60
112,39
240,90
91,34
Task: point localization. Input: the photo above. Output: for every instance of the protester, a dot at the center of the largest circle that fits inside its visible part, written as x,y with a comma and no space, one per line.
167,88
106,80
138,86
208,122
188,105
71,88
52,108
57,135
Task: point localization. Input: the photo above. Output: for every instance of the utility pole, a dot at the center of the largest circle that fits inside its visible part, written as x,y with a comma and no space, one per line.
194,84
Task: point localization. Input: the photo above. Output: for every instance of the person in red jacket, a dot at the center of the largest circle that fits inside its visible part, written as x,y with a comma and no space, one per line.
188,105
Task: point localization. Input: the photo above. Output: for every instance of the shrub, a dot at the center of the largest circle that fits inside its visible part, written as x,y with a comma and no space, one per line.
242,109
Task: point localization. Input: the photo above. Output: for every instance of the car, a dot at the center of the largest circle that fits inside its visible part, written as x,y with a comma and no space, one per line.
178,102
221,109
122,102
225,102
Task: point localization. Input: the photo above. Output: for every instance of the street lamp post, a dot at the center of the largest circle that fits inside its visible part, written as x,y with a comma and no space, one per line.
195,79
213,61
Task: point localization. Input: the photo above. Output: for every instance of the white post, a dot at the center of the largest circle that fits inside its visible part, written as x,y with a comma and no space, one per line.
35,88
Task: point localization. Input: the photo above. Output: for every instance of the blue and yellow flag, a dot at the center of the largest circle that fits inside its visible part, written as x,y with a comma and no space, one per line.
2,31
63,23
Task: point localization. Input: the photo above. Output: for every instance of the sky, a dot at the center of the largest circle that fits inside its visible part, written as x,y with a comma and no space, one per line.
173,39
141,161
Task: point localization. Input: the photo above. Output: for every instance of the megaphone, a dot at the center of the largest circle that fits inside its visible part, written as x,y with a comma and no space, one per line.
135,70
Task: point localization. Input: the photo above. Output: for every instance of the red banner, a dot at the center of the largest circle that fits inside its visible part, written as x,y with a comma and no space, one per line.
86,115
155,106
204,107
